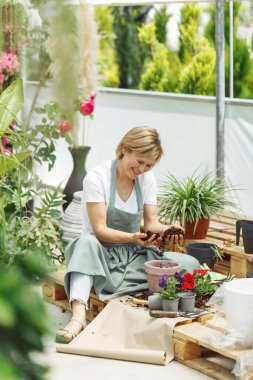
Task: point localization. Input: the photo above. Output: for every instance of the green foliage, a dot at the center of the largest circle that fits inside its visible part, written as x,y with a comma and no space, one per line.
130,55
11,102
108,67
43,136
218,253
156,73
197,77
161,20
22,230
192,198
170,289
23,320
197,55
188,31
204,285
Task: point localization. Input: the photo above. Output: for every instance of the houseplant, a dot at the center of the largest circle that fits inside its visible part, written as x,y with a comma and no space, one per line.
192,201
169,294
23,319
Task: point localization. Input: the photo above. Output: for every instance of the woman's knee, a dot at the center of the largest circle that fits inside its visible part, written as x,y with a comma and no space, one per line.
187,262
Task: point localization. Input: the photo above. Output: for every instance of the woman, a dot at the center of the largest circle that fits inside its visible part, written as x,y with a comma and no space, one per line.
110,256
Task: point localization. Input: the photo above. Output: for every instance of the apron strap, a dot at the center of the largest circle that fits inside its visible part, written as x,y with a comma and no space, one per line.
113,188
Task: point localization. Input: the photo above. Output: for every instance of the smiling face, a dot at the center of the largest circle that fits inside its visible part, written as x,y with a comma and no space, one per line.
133,165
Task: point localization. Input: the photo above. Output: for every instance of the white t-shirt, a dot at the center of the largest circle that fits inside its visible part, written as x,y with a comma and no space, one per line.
96,188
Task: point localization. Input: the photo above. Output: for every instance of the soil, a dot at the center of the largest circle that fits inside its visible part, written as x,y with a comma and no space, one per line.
167,234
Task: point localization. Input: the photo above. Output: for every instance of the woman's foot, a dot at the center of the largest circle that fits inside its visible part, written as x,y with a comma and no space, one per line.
71,330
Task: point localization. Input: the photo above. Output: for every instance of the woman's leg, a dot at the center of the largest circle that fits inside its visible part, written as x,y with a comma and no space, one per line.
80,287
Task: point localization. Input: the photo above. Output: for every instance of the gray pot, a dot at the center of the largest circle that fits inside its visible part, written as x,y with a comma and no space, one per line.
155,302
187,301
170,305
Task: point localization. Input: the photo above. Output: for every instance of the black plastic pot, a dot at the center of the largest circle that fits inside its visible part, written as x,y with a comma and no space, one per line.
202,252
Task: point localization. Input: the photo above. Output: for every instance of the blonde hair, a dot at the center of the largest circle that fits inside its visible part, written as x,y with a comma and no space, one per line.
144,141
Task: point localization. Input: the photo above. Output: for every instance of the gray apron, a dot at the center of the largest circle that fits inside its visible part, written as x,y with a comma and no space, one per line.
117,268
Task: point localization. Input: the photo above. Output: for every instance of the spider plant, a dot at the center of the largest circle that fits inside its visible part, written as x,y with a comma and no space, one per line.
192,198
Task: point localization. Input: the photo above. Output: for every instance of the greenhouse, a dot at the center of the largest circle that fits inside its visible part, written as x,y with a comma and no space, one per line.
124,130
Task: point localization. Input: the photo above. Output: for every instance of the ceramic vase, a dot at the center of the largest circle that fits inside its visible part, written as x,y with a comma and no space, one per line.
75,181
71,224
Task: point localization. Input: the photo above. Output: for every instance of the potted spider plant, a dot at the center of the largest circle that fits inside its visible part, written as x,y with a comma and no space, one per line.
192,201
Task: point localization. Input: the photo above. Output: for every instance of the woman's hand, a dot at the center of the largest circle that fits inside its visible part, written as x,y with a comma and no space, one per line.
177,237
139,236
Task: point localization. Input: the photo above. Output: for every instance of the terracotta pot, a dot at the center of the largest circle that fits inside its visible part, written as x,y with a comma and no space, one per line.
155,269
201,229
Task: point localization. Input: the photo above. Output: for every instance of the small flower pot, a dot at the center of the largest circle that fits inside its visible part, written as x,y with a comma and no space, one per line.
155,269
155,302
170,305
187,301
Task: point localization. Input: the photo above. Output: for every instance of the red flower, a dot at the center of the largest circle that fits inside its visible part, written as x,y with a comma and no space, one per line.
65,126
201,271
189,281
86,108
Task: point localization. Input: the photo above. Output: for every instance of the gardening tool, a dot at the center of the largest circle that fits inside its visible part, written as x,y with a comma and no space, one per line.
163,314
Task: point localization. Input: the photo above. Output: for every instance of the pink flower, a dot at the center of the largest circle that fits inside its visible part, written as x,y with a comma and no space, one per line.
4,141
9,62
87,107
2,78
65,126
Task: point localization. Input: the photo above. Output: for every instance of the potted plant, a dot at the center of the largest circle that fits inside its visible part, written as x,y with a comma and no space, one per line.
193,201
205,253
169,294
187,296
204,286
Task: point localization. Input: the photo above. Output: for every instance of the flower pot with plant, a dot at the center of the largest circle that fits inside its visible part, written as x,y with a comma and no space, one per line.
193,201
187,295
204,287
169,294
205,253
155,269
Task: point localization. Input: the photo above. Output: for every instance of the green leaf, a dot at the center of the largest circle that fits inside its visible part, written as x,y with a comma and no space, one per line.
11,102
9,162
7,316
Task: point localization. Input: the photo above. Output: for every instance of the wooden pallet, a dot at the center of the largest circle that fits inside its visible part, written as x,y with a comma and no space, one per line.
222,233
193,348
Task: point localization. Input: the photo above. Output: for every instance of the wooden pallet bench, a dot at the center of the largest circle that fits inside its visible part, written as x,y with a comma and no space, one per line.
193,348
53,292
222,232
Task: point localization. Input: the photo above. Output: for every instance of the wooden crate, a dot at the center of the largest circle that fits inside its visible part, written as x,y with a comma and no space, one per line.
193,348
53,292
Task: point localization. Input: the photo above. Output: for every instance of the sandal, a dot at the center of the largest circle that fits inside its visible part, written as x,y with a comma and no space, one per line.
62,339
